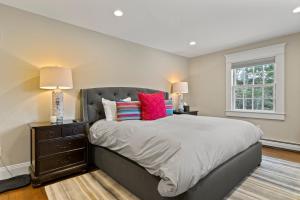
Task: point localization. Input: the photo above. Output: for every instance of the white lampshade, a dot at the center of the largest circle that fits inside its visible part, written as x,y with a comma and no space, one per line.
56,77
180,87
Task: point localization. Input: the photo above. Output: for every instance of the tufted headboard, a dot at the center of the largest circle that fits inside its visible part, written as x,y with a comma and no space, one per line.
91,99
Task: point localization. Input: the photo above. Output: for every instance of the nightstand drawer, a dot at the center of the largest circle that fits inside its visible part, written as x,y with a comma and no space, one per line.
61,161
56,146
73,130
48,133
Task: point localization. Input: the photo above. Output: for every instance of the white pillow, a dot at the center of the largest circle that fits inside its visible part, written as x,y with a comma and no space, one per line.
110,108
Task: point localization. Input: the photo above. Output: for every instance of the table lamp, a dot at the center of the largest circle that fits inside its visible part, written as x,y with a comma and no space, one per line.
180,88
56,79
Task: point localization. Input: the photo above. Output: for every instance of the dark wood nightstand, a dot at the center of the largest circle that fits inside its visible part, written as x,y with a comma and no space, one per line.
187,113
57,150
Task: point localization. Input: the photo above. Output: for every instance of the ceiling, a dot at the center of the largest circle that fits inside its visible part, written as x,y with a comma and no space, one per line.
170,25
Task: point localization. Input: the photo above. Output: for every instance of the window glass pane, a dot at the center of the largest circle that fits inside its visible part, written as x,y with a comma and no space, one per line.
257,104
268,92
254,89
258,78
269,67
269,77
248,93
257,92
258,69
238,93
249,75
239,104
239,76
268,104
252,96
248,104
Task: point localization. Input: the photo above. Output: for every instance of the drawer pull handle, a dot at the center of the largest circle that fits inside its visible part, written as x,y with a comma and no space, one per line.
51,133
76,130
61,147
64,146
66,160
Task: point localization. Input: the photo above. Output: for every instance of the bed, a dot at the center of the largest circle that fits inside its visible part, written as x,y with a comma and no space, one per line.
216,185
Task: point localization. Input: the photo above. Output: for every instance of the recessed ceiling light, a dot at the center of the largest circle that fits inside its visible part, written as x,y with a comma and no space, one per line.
193,43
118,13
297,10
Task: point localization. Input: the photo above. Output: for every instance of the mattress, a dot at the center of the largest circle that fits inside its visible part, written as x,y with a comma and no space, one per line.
181,149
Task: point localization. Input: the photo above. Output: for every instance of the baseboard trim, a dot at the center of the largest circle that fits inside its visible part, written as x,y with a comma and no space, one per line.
281,145
17,169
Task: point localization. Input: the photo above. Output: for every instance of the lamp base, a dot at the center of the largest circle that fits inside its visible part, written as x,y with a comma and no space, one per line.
58,105
180,103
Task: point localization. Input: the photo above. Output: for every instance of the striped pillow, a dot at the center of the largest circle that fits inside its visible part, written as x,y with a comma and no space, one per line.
169,107
128,110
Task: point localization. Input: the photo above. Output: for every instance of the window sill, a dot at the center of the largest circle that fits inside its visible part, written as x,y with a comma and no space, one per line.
257,115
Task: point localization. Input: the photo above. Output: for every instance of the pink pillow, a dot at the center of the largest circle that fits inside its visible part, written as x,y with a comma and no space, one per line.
152,105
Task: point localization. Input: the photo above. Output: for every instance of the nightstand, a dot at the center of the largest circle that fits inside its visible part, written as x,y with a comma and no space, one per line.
187,113
57,150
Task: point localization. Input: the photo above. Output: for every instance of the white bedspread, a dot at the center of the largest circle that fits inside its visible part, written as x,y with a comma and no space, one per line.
181,149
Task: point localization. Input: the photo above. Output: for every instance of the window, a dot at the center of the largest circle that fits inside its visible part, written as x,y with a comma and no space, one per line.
253,86
255,83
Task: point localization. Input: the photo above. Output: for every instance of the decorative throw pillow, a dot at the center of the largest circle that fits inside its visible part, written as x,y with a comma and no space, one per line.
169,107
128,110
110,108
152,105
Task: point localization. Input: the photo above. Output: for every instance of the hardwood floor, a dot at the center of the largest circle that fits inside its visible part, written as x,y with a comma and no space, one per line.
282,154
29,193
26,193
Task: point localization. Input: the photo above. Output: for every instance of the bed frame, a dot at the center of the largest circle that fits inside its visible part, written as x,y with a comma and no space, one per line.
215,186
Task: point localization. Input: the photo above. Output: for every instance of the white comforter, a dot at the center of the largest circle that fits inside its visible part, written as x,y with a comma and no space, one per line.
181,149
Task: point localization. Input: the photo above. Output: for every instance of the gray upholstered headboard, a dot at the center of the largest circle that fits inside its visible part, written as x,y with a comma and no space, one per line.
91,99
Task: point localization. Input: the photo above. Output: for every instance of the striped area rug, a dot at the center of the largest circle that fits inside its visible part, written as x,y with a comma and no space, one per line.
275,179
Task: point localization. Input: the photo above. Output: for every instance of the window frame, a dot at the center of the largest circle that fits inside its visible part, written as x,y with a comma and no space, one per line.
276,51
